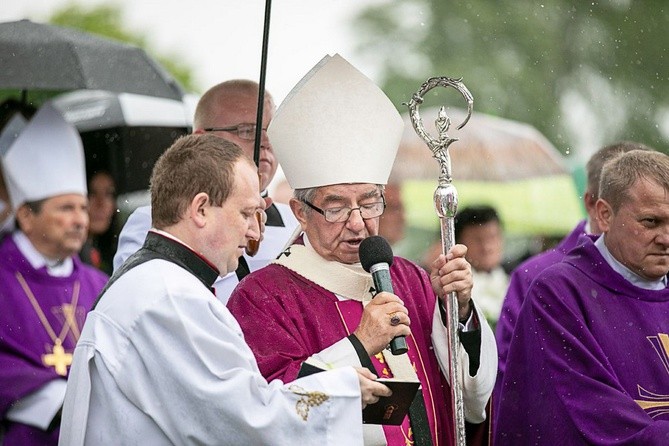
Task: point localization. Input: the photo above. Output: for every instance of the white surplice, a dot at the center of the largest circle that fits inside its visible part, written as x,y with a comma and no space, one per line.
162,361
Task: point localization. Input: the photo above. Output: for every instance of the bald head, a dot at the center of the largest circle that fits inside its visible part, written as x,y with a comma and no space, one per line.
233,96
231,104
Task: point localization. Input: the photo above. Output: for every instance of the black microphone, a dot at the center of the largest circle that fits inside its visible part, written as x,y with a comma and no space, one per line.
376,256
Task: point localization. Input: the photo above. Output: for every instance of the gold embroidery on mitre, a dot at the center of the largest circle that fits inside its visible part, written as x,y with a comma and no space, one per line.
656,404
308,400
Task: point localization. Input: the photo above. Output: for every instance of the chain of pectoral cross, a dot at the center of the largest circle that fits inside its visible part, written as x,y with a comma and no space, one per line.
57,359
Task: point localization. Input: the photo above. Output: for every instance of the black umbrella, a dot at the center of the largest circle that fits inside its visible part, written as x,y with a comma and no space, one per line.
35,56
124,133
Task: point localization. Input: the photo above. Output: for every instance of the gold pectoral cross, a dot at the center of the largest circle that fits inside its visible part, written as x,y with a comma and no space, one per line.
58,359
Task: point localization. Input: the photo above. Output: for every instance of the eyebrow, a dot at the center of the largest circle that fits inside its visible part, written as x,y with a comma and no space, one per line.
334,198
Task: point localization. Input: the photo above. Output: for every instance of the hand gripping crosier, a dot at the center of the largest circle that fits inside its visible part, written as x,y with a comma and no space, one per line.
446,205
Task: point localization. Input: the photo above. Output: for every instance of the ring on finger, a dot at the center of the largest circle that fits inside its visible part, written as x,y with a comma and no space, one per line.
394,319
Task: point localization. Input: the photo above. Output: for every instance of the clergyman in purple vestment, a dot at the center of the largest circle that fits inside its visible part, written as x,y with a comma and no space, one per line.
287,318
336,136
589,358
523,275
45,290
29,357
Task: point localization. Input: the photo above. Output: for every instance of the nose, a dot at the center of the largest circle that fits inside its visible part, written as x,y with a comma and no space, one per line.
264,140
663,237
253,232
81,217
355,222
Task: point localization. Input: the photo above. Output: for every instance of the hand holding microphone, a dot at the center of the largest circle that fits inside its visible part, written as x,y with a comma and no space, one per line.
385,316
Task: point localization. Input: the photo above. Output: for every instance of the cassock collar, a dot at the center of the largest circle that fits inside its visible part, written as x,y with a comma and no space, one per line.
627,273
174,250
62,268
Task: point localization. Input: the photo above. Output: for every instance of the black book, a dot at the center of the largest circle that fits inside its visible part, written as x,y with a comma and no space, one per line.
391,409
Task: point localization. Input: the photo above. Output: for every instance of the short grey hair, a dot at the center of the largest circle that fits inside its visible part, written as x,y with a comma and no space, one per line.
303,195
622,172
309,193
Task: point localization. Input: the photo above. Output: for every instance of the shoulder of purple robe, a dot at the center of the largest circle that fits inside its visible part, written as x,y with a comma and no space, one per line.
519,282
278,310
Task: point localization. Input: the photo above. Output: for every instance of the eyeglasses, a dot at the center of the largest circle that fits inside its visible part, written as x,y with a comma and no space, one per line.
243,131
342,214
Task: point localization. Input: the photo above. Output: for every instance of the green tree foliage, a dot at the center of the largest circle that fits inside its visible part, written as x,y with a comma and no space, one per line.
585,73
107,21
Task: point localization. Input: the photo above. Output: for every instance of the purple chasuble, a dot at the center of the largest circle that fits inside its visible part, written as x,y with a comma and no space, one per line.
24,341
519,282
589,359
287,318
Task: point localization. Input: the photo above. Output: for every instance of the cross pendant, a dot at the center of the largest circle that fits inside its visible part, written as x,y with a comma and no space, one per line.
58,359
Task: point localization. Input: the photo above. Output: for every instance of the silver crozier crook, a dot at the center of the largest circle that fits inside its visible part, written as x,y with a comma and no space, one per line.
446,205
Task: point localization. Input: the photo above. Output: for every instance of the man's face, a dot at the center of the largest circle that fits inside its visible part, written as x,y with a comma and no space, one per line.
484,243
232,225
339,241
637,235
242,109
59,229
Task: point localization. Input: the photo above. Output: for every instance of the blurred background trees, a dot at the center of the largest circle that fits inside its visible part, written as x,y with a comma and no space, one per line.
584,73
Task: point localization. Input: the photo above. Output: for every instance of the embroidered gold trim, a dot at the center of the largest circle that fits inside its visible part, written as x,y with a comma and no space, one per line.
308,400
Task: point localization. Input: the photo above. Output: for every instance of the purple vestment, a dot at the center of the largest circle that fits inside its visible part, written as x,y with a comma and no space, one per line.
23,338
519,283
589,359
287,318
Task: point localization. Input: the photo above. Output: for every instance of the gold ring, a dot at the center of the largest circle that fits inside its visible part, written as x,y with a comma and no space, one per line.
394,319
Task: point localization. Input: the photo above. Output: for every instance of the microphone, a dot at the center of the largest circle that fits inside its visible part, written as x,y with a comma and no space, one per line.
376,256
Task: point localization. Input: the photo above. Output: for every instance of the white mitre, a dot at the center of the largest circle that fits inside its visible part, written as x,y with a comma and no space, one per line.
45,160
336,126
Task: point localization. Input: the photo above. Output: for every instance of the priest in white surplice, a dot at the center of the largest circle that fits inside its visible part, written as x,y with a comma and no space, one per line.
162,361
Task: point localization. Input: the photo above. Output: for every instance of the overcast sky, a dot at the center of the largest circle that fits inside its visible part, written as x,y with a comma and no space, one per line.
222,39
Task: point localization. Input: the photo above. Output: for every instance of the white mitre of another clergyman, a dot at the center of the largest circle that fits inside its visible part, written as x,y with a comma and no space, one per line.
45,160
334,127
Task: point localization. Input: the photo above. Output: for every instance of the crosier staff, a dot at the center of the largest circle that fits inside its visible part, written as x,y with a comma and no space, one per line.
254,245
446,205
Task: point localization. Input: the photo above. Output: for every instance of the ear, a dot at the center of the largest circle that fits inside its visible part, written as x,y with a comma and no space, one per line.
589,201
25,217
198,209
604,213
298,210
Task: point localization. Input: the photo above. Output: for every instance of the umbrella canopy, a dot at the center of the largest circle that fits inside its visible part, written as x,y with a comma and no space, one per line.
36,56
489,149
94,110
124,133
536,206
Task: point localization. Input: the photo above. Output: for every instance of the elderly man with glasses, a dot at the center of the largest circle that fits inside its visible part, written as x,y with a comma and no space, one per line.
228,110
336,136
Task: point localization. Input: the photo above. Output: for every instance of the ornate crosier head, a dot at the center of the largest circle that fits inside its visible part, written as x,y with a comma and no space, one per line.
439,145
